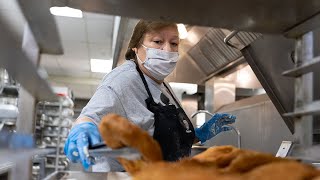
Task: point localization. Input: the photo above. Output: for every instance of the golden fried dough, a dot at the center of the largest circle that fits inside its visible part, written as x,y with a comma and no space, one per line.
117,132
222,162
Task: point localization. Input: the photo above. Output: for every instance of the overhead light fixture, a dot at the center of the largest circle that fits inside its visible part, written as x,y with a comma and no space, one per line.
101,65
66,11
183,33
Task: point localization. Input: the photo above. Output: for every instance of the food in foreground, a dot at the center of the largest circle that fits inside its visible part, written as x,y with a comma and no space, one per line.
222,162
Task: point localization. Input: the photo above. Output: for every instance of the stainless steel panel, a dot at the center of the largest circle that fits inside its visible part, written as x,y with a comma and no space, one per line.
273,128
316,86
14,60
209,92
247,15
304,27
259,123
303,93
26,117
20,160
224,93
42,25
79,175
310,154
268,58
124,34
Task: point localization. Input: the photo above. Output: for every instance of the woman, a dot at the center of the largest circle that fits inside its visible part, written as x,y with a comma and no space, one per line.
136,90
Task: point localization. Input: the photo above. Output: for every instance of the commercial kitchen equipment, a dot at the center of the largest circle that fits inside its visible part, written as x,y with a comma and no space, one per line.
292,18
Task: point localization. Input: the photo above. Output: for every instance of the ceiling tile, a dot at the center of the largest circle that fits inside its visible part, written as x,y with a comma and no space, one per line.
76,74
75,50
52,83
99,51
100,31
71,29
55,71
48,61
74,64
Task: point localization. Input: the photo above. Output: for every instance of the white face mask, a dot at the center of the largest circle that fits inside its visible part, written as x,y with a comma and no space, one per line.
159,63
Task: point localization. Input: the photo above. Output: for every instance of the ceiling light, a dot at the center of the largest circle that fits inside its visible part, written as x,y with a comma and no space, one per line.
183,33
66,11
101,65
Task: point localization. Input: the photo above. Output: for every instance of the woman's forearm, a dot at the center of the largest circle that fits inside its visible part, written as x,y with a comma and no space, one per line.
81,120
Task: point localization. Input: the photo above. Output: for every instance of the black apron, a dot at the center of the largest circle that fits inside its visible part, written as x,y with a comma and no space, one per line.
173,129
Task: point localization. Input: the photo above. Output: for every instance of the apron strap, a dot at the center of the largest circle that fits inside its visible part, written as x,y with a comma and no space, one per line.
149,93
178,104
144,82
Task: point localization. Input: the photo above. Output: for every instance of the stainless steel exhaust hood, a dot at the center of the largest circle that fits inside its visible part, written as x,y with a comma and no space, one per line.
211,53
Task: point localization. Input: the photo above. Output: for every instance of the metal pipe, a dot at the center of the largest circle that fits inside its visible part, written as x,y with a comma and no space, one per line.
232,127
201,111
230,36
238,134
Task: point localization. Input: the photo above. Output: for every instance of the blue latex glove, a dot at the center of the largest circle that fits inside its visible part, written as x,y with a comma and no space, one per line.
80,137
214,126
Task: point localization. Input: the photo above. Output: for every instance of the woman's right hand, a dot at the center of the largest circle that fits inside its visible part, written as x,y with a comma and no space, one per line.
80,137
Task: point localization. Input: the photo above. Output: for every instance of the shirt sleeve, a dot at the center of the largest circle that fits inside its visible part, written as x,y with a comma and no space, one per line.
104,101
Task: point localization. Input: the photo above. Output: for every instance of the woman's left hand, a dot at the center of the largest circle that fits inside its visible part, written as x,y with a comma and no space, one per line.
214,126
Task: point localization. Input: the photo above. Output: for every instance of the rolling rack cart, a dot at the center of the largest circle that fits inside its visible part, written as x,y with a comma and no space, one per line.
53,121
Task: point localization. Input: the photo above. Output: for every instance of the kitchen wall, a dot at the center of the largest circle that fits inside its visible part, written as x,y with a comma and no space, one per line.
259,123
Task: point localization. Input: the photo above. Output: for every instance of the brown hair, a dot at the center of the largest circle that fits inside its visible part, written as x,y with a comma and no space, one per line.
143,27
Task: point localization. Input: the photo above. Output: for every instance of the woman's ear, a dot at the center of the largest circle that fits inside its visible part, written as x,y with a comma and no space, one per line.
135,50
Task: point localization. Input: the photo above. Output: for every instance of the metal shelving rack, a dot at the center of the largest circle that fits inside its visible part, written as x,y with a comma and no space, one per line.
52,126
20,57
304,107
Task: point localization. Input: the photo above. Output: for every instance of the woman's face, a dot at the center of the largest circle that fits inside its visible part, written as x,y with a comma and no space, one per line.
165,39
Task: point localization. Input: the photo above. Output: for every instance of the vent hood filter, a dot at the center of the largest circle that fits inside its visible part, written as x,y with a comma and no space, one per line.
212,54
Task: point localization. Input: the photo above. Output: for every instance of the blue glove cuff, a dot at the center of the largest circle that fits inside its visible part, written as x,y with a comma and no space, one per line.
200,135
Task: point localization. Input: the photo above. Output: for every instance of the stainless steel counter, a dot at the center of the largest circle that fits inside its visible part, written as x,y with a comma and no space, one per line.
79,175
